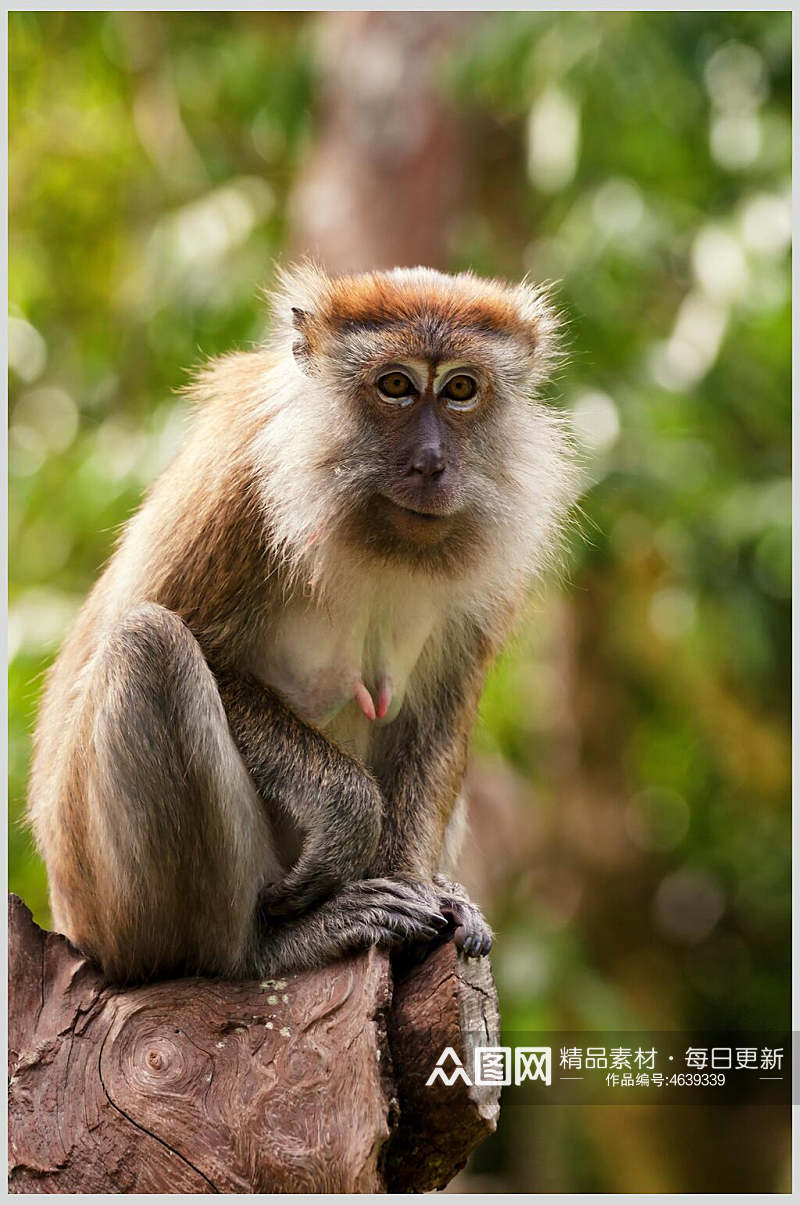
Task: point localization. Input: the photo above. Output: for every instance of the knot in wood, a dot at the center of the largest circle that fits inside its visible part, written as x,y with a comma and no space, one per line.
159,1062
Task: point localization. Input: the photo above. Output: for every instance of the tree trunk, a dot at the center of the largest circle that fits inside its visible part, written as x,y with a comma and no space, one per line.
312,1083
383,184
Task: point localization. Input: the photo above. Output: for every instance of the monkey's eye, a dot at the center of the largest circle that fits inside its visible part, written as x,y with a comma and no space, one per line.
397,386
460,392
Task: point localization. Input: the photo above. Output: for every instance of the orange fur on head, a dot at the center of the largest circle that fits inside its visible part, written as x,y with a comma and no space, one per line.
419,301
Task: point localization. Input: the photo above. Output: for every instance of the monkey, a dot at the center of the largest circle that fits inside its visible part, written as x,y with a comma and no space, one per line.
250,749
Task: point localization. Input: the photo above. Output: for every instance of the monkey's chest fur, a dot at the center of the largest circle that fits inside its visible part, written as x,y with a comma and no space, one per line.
357,652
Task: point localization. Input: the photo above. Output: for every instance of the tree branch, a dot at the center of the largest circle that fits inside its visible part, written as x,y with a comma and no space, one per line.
314,1083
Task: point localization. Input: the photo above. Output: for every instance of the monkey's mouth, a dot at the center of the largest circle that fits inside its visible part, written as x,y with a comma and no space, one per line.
428,516
432,506
417,523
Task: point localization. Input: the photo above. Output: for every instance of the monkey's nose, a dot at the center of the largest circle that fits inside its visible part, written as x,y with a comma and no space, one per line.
428,462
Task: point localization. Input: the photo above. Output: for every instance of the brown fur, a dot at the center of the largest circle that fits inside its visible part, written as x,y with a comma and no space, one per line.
460,306
180,772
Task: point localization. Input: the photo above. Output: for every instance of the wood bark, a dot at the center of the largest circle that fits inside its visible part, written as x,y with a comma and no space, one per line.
312,1083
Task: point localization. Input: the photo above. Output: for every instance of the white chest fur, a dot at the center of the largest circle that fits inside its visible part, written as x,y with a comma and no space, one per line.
346,662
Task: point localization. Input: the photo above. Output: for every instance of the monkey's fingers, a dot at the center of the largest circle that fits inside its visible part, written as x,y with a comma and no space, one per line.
398,927
406,896
471,933
401,888
371,931
410,887
391,898
474,944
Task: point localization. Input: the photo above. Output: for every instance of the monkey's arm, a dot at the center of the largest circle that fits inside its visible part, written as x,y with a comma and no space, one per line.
420,757
333,800
421,781
423,756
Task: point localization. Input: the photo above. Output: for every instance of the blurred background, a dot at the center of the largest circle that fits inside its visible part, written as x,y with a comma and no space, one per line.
630,775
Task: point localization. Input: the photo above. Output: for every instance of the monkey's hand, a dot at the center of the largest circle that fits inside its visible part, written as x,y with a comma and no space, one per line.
369,912
471,933
389,912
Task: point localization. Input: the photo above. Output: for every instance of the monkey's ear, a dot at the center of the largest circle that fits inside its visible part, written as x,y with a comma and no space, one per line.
298,305
302,345
541,323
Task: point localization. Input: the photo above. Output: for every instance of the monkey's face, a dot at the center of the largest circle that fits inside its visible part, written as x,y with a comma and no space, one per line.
419,415
434,442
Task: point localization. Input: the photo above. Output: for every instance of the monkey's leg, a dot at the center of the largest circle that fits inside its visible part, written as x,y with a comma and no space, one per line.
326,795
176,840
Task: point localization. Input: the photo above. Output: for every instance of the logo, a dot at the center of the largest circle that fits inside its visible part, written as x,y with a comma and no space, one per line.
492,1065
532,1063
457,1073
